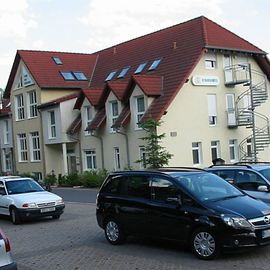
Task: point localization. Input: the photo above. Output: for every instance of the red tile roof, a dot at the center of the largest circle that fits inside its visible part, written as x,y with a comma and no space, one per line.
98,120
75,126
151,85
46,72
58,100
5,107
123,118
92,94
118,88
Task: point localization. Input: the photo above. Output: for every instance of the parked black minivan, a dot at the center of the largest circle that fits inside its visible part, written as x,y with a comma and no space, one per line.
184,204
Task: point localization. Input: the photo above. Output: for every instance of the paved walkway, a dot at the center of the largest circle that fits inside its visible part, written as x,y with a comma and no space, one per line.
76,242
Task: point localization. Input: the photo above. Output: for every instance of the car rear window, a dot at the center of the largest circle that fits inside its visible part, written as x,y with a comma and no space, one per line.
113,186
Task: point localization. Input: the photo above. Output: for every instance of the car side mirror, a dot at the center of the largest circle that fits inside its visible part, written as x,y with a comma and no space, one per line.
263,188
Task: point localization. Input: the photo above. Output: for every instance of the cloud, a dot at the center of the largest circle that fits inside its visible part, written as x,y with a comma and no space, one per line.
110,22
15,20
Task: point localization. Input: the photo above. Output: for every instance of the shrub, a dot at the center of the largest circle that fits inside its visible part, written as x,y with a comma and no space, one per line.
93,178
73,179
50,180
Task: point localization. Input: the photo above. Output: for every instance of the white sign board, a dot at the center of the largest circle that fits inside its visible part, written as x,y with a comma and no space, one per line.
205,80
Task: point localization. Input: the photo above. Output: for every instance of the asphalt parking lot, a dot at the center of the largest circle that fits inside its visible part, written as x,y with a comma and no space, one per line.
76,242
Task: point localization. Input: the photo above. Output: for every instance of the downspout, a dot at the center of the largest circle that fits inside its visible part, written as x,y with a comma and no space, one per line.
43,145
102,147
127,146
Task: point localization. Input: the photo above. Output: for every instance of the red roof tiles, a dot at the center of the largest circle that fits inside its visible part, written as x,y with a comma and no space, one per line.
123,118
75,126
98,120
58,100
92,95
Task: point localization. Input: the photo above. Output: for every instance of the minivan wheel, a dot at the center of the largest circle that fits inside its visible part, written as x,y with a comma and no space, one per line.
14,216
205,244
113,232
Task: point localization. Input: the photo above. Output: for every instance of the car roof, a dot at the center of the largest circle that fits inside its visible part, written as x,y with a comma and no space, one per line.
13,178
249,166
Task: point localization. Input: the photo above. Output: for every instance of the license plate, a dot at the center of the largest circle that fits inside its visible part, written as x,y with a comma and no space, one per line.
45,210
266,233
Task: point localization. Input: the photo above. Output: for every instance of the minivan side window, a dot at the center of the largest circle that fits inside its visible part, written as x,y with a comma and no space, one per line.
248,180
228,175
113,186
163,190
138,186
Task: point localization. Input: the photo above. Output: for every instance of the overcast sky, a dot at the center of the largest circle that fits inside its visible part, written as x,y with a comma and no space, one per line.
90,25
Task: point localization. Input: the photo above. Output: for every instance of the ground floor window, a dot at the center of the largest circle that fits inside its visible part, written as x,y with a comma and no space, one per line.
90,159
117,164
34,146
215,149
22,147
233,150
142,156
197,153
7,160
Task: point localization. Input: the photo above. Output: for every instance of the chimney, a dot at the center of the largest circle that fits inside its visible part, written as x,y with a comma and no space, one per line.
174,45
114,50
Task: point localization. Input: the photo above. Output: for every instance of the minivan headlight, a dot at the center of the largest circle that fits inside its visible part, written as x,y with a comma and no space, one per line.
236,222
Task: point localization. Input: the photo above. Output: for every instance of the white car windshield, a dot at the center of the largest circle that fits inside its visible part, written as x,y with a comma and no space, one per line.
23,186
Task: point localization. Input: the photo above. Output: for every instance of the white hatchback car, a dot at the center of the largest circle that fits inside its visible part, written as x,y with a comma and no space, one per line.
23,198
6,261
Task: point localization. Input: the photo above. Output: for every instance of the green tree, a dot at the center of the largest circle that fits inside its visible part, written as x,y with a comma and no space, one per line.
156,156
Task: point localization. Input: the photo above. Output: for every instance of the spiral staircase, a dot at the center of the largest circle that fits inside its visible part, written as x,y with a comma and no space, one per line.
246,105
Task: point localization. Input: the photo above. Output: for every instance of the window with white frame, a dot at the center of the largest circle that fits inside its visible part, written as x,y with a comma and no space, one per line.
142,155
215,149
90,159
117,164
22,147
32,104
6,132
212,109
7,160
114,112
34,146
233,150
52,125
19,107
197,153
249,147
139,110
88,116
210,61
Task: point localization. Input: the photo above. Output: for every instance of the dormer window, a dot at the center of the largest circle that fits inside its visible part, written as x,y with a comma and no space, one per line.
140,68
154,64
110,76
210,61
114,113
123,72
57,60
79,76
68,76
139,110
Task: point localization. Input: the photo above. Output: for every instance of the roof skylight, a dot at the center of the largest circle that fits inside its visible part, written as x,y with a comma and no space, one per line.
154,64
68,76
110,76
57,60
79,75
123,72
140,68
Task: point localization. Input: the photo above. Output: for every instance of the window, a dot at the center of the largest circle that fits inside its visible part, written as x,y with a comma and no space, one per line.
90,159
110,76
123,72
164,190
249,147
34,146
210,61
88,117
212,109
248,180
117,164
215,149
197,153
79,76
6,132
2,188
227,64
138,186
233,150
230,105
57,60
140,68
68,76
7,160
142,155
32,100
154,64
22,147
114,113
139,110
52,125
113,186
19,107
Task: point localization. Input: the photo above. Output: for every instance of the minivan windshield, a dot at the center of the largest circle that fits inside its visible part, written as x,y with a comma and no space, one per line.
207,186
22,186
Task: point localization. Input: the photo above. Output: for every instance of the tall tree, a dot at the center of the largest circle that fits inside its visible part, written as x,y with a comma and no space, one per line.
156,156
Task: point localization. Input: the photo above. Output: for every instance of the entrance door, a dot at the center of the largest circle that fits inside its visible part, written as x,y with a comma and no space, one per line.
71,161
